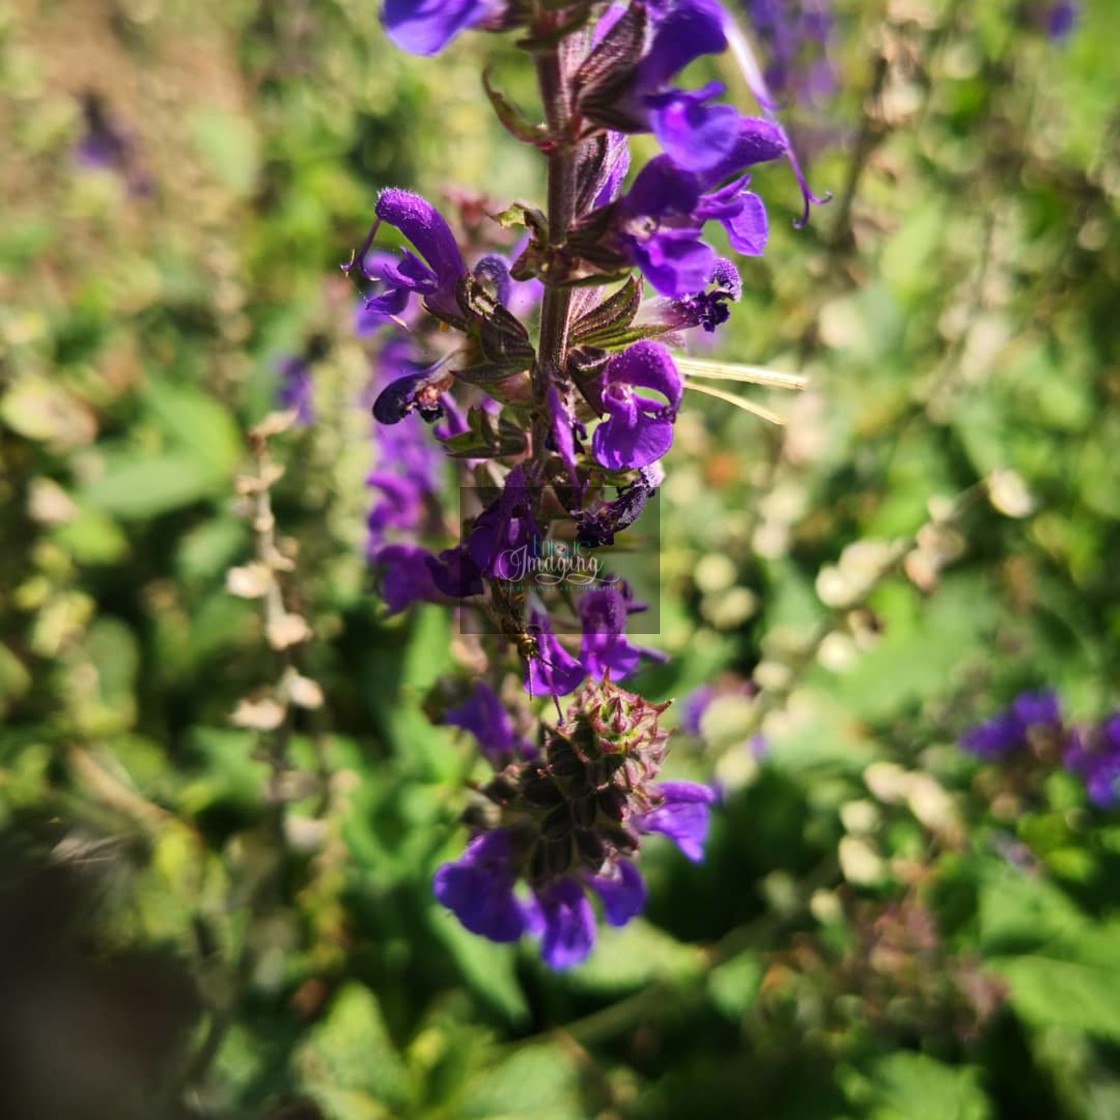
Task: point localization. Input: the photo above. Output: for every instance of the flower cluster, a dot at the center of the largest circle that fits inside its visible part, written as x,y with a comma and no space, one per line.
1033,726
545,372
568,821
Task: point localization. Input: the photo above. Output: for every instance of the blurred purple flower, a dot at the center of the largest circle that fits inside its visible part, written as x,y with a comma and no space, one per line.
478,888
425,27
683,816
1061,18
1009,731
604,649
693,707
481,713
795,37
294,390
1095,757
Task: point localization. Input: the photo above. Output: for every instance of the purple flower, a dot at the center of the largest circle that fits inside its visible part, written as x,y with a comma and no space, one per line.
682,816
707,308
756,82
568,824
106,145
563,432
505,531
405,576
568,924
478,888
1061,19
638,428
294,391
1010,730
554,671
657,224
1095,758
410,574
693,707
634,95
482,714
434,275
455,574
605,649
405,479
425,27
794,34
622,891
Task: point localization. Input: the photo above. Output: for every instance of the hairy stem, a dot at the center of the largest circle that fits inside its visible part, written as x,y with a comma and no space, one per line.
556,305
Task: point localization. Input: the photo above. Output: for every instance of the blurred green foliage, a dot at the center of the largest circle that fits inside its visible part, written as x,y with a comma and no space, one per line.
882,928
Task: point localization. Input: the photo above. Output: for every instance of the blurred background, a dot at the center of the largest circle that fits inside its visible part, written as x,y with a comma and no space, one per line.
218,904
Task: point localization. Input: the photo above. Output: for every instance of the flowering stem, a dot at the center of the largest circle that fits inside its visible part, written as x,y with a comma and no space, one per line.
561,205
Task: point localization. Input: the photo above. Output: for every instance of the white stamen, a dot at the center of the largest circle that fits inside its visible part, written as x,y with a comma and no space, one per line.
738,402
746,375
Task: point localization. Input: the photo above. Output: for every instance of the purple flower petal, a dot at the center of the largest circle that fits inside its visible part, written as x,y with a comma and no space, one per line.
603,612
749,230
478,888
569,924
554,671
683,816
623,892
482,714
425,27
423,225
689,29
405,577
294,391
638,430
695,134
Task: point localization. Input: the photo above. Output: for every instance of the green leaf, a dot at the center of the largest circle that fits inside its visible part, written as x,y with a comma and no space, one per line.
489,969
484,439
137,486
635,956
911,1086
541,1082
1017,911
211,547
1076,995
734,984
197,421
92,538
15,680
350,1052
513,119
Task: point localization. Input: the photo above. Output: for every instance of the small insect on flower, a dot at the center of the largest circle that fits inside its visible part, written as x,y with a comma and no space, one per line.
507,608
556,672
